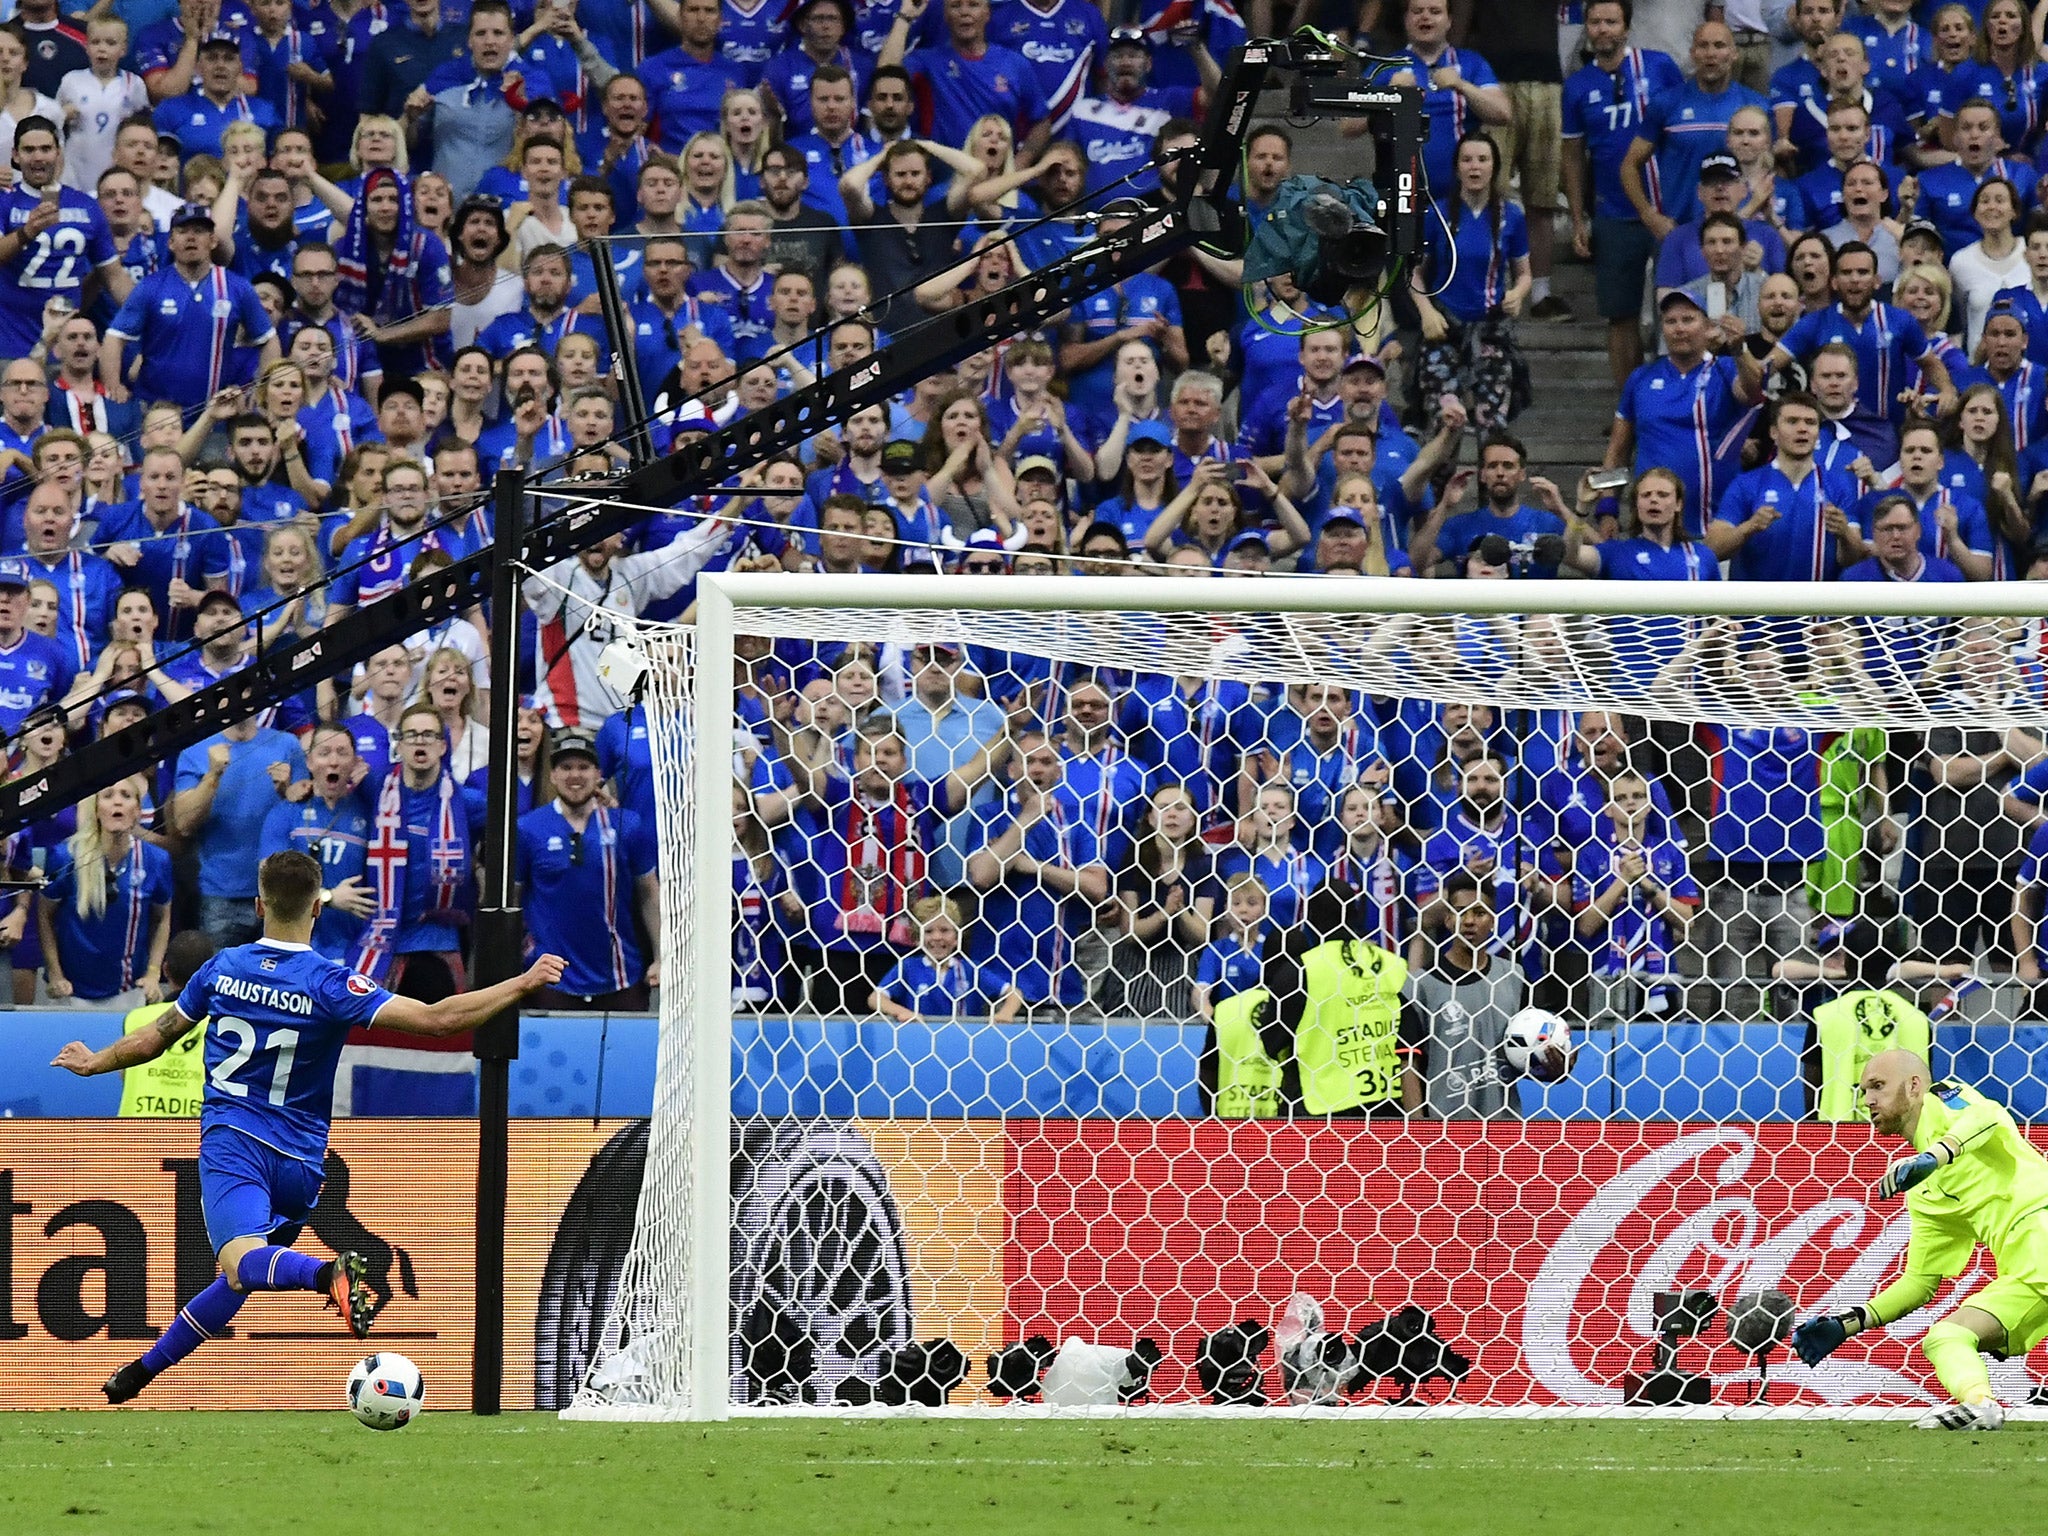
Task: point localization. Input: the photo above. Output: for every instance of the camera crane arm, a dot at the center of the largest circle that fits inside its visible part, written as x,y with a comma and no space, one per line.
1202,214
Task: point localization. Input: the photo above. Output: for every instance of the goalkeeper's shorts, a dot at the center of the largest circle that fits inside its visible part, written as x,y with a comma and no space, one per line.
2018,1298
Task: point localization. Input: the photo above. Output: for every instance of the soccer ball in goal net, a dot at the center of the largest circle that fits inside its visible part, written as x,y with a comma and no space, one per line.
1236,996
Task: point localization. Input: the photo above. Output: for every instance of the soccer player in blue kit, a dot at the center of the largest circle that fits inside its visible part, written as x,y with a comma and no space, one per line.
279,1015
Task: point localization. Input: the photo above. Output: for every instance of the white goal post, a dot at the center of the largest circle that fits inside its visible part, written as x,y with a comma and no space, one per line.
1697,1199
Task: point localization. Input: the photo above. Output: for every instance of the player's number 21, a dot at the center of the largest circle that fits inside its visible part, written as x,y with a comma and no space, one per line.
284,1042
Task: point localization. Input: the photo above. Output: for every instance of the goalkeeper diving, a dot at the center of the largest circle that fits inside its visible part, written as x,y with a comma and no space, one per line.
1971,1178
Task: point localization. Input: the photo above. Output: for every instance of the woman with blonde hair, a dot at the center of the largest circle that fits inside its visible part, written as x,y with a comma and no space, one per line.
242,151
707,194
104,913
996,190
433,204
448,685
280,394
749,133
293,575
1925,291
106,468
378,143
1353,496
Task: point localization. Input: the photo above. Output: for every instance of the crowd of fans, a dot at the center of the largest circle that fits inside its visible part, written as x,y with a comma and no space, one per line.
282,286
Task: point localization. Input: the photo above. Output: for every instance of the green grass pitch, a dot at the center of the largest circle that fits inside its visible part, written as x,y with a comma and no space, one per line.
247,1474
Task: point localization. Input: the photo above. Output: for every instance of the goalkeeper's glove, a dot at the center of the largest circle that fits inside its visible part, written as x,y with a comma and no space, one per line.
1908,1171
1817,1338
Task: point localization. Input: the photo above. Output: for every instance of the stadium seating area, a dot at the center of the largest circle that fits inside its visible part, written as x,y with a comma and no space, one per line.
281,286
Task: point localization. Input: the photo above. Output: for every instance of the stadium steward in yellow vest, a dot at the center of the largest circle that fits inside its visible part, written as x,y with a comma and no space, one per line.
1326,1031
1971,1178
171,1086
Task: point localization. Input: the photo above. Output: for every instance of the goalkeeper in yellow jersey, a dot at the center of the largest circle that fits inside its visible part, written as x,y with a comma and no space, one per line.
1971,1178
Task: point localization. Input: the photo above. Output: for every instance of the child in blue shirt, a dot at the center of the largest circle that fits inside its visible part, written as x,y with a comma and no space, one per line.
938,981
1232,963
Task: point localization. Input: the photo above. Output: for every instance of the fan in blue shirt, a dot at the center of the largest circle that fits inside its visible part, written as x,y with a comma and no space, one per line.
170,538
276,1016
1631,887
1687,412
1898,649
1484,838
1953,525
1473,254
1660,549
824,31
195,326
1872,121
54,237
1117,129
1456,83
1068,43
34,669
1886,340
1947,192
1896,46
104,912
199,117
1788,520
1231,964
1766,792
1039,871
939,982
2020,98
1682,127
1188,731
1603,104
686,85
331,821
1146,307
1502,479
585,872
966,77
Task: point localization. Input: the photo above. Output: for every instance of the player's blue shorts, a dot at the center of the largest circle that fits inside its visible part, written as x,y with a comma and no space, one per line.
250,1190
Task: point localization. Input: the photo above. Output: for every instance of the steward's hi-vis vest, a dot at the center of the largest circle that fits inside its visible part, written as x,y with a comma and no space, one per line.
1347,1047
170,1087
1247,1079
1852,1029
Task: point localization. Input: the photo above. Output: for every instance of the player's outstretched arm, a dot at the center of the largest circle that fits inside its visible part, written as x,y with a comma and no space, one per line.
466,1010
1817,1338
131,1050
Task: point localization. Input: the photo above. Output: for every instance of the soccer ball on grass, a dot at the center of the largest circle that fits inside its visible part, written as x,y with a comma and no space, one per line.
385,1391
1538,1044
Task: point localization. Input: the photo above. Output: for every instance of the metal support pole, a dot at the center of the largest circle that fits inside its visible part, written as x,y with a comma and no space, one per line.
500,936
710,1043
611,305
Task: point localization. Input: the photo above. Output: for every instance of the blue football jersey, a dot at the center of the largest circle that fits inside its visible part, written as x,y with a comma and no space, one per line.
280,1014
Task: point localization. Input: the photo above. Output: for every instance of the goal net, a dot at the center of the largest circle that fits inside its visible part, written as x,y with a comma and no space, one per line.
1113,994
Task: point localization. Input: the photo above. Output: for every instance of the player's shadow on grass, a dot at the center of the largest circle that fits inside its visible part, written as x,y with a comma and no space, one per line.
342,1230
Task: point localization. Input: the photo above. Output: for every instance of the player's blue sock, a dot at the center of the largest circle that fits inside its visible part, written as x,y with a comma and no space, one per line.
200,1319
271,1268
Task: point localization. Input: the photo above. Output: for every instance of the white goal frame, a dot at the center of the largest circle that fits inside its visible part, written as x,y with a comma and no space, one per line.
725,599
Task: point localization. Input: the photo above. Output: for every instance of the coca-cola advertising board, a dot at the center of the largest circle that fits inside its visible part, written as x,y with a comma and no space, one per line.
1538,1247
